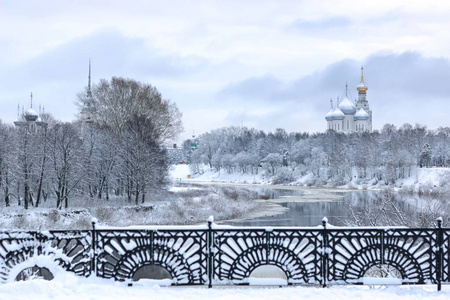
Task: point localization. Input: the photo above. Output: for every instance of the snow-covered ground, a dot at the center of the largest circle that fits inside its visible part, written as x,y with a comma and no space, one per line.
182,172
67,286
183,205
427,178
421,179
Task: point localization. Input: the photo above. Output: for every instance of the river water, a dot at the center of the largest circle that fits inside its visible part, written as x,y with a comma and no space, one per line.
307,207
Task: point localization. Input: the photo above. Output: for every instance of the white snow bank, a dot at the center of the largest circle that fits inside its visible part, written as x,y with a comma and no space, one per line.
419,179
426,179
179,172
433,176
209,175
70,287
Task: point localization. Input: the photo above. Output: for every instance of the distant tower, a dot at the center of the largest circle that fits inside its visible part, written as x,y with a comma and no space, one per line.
40,120
31,116
193,142
86,110
19,121
29,119
362,100
89,92
348,108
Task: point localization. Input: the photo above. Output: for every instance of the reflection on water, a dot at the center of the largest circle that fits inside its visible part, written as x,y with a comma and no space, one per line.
305,213
301,214
338,212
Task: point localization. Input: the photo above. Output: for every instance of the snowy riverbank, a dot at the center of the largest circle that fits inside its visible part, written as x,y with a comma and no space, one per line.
177,206
421,180
193,207
67,286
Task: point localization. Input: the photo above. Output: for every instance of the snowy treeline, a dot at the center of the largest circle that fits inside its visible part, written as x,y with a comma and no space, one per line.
63,160
113,149
378,157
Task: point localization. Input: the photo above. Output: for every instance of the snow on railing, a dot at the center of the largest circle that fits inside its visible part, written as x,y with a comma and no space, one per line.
216,254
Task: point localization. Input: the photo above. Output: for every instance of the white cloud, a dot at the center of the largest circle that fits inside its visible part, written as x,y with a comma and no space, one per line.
267,63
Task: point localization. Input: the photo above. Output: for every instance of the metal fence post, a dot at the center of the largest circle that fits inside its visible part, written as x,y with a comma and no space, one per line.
439,240
94,248
324,268
268,231
209,242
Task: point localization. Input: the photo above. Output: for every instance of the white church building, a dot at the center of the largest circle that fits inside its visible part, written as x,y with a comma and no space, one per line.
351,116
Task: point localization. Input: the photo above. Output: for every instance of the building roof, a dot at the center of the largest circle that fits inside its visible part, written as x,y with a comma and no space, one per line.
347,107
337,114
361,115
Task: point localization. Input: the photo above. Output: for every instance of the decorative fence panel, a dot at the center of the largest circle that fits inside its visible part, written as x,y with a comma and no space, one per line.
297,252
120,253
53,250
352,253
220,255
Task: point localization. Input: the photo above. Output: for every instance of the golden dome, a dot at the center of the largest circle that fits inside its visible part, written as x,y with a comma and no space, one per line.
362,87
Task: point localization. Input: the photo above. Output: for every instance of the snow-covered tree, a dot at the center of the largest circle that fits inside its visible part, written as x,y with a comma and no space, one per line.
272,162
115,102
7,160
425,156
65,152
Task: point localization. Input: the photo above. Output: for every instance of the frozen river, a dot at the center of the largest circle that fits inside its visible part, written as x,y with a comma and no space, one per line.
296,207
304,206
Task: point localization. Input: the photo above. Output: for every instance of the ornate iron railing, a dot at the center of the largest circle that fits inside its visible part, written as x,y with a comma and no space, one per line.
219,255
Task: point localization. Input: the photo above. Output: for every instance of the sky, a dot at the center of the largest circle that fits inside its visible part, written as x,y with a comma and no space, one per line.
255,63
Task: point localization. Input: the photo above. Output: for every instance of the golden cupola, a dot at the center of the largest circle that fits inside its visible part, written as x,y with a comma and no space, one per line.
362,87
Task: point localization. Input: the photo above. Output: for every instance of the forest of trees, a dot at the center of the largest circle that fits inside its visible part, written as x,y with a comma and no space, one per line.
114,148
378,157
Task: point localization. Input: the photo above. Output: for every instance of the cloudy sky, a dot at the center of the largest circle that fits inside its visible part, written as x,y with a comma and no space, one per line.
262,64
